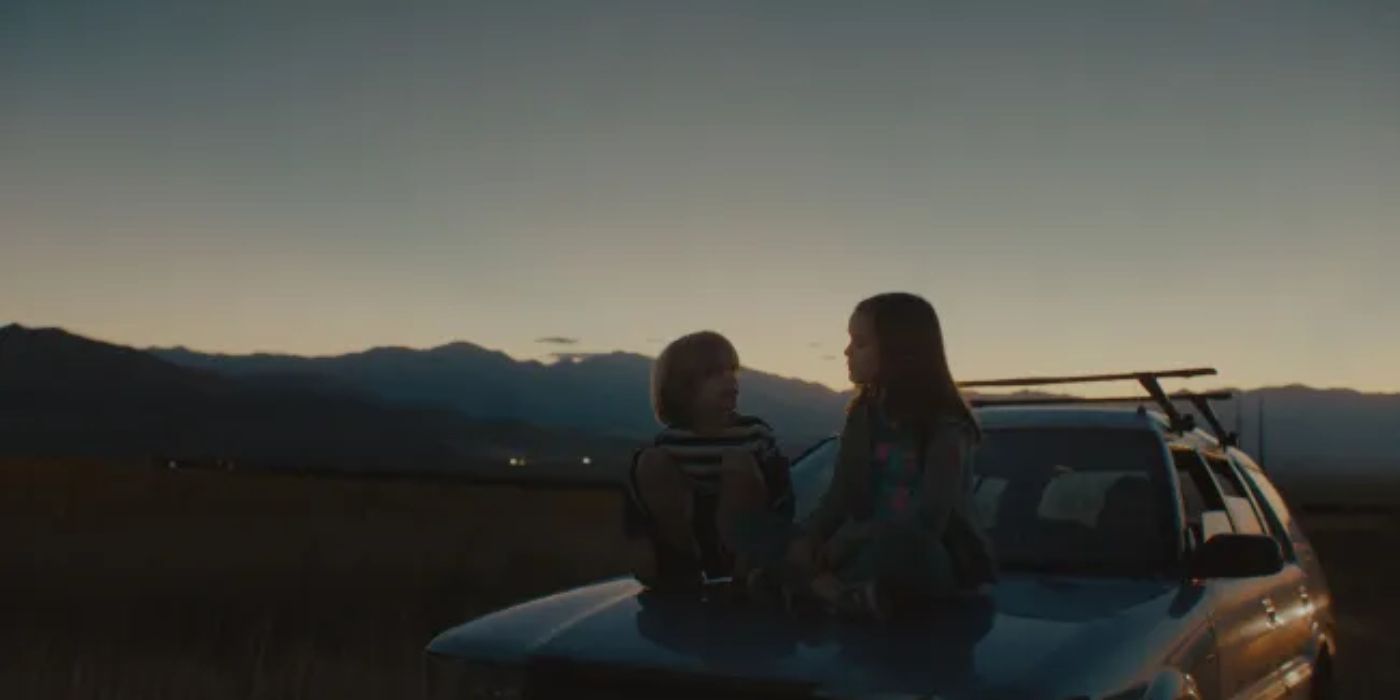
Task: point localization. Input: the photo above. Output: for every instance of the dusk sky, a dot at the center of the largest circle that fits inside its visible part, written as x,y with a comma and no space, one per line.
1077,186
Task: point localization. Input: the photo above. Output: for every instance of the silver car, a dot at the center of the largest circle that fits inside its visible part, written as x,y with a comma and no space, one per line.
1140,558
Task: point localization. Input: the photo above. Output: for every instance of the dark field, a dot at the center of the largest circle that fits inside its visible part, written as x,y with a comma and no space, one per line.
147,583
1361,553
131,582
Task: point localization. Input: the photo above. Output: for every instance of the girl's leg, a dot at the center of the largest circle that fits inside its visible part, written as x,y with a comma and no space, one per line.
910,570
894,570
908,559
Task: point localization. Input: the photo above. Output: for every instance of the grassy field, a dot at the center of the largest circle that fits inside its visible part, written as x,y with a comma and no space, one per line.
147,583
1358,551
132,582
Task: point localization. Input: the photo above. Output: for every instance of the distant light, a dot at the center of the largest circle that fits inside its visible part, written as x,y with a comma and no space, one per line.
516,462
587,460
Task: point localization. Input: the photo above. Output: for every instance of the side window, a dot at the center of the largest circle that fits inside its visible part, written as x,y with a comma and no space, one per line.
986,499
811,474
1275,510
1237,500
1191,499
1201,500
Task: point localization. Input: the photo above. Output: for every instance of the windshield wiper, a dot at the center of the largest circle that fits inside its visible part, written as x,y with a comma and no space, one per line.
1076,568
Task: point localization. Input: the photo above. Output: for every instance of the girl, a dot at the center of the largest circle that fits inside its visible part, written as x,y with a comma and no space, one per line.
711,497
895,525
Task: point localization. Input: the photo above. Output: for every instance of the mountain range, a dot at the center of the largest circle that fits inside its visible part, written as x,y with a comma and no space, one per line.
461,403
62,395
605,394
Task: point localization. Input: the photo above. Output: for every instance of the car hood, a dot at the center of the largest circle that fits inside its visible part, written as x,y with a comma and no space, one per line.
1026,632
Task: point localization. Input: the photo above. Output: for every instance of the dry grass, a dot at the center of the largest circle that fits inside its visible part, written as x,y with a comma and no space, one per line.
130,582
1358,551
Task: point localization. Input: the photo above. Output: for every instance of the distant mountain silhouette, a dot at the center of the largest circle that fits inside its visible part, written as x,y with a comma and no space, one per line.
596,393
64,395
462,403
1311,433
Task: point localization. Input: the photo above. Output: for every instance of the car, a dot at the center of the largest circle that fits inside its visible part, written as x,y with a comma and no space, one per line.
1140,558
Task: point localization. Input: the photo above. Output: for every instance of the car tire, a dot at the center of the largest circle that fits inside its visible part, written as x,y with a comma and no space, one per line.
1324,679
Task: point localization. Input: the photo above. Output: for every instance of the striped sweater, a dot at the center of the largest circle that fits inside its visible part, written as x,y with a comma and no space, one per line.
700,457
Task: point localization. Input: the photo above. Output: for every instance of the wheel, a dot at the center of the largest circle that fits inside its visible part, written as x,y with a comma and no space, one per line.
1324,679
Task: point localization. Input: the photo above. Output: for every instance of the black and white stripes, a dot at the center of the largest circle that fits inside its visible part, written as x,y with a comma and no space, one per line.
700,457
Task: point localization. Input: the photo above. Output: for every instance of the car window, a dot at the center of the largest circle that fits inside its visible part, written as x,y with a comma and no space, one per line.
811,473
986,496
1085,501
1076,496
1203,505
1072,500
1192,502
1237,501
1275,510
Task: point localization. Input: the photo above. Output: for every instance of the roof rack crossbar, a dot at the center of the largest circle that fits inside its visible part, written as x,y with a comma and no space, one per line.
1201,402
989,401
1151,383
1089,378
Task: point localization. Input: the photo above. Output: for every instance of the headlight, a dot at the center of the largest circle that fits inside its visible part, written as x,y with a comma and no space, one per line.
455,679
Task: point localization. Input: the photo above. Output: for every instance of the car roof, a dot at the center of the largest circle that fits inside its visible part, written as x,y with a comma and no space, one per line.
1017,417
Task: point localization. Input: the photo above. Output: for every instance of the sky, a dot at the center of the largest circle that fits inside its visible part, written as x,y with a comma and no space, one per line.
1076,186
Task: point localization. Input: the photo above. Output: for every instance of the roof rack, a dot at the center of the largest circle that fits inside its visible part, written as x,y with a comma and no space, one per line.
1151,383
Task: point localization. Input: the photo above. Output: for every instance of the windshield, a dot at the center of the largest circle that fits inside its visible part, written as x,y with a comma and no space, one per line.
1074,501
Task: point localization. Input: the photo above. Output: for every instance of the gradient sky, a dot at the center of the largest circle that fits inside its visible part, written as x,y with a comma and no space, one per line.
1077,186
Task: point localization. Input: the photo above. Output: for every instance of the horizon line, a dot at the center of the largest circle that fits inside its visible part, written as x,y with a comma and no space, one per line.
558,357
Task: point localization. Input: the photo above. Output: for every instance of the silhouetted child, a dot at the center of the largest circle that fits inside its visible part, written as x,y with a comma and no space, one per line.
895,525
711,497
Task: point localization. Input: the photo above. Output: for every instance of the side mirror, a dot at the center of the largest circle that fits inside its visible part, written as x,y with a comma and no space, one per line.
1236,556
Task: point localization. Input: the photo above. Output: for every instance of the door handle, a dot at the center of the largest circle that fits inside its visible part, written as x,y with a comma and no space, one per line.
1270,611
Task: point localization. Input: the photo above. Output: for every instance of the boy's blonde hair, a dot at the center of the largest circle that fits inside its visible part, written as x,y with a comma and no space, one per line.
678,371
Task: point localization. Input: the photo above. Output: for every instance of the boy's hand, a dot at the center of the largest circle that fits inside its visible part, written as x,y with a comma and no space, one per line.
805,554
737,459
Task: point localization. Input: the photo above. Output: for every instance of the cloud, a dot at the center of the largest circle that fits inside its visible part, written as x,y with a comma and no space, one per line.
557,340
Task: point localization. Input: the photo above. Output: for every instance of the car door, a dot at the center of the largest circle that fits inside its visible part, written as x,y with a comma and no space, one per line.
1298,602
1238,613
1257,637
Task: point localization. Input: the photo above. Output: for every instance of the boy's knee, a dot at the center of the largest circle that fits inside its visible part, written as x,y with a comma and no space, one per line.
744,488
658,476
736,460
665,492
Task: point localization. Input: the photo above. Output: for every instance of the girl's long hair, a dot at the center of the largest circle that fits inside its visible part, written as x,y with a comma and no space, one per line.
913,381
